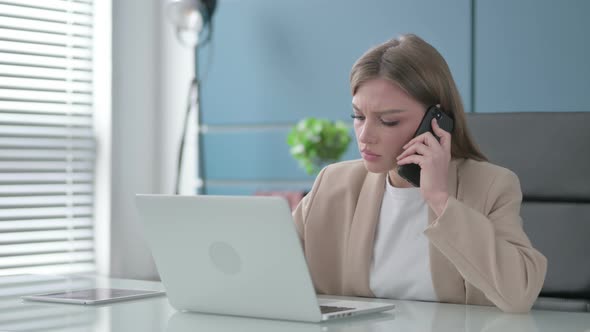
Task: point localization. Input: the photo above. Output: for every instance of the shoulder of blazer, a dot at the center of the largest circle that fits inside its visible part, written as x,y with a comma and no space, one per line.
343,176
475,170
482,178
332,182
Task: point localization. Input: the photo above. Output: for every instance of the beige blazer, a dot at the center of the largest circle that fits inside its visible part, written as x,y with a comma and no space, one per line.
479,253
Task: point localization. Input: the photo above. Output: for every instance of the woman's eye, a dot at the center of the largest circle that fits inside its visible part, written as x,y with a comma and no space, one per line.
357,117
390,123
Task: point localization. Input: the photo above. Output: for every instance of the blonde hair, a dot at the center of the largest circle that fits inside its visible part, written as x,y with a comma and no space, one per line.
423,73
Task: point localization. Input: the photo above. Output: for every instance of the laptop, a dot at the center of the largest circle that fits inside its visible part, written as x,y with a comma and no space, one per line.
236,255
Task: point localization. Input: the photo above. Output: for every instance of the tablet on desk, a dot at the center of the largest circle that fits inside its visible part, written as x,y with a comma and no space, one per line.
93,295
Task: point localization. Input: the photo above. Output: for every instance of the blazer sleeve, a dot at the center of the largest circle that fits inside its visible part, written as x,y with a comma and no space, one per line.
302,210
299,217
491,251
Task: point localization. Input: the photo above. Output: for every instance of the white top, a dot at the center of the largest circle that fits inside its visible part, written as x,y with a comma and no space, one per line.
401,260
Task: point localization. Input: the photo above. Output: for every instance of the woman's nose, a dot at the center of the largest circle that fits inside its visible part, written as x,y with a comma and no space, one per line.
366,134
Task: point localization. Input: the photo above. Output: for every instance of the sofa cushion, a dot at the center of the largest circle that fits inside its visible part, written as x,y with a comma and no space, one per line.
550,152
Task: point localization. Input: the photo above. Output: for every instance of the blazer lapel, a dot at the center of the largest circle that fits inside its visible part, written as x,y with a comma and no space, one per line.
449,285
359,251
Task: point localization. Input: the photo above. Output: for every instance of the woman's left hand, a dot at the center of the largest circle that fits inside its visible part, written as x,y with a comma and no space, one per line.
433,157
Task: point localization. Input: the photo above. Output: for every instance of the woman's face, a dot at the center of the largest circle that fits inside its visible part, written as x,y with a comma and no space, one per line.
385,119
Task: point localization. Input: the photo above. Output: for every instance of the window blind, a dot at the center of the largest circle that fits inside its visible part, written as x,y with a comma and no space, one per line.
47,145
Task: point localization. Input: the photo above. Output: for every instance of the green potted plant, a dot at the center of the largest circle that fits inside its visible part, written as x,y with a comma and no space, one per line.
317,142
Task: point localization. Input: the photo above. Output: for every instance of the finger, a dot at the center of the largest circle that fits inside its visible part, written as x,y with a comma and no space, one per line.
438,130
416,148
430,140
427,139
412,141
445,137
413,159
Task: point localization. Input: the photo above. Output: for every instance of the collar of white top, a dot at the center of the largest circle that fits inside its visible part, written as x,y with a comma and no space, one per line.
412,193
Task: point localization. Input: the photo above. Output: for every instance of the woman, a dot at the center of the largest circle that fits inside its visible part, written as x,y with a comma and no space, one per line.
457,238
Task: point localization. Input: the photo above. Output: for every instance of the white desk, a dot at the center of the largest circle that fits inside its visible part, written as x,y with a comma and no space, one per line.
156,314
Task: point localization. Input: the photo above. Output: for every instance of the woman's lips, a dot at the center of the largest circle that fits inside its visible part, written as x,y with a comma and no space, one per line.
369,156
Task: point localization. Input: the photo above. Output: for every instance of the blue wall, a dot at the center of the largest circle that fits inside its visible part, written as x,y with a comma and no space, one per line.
532,55
273,62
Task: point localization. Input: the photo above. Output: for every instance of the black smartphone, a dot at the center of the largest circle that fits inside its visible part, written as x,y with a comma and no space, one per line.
411,172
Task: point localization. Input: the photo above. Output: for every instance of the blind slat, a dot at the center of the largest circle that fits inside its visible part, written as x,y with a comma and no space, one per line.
43,224
44,177
46,166
15,285
44,50
45,259
40,61
48,247
27,131
11,94
45,189
47,143
56,74
60,5
44,14
37,107
40,120
63,212
45,200
44,236
44,38
35,154
44,84
44,26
